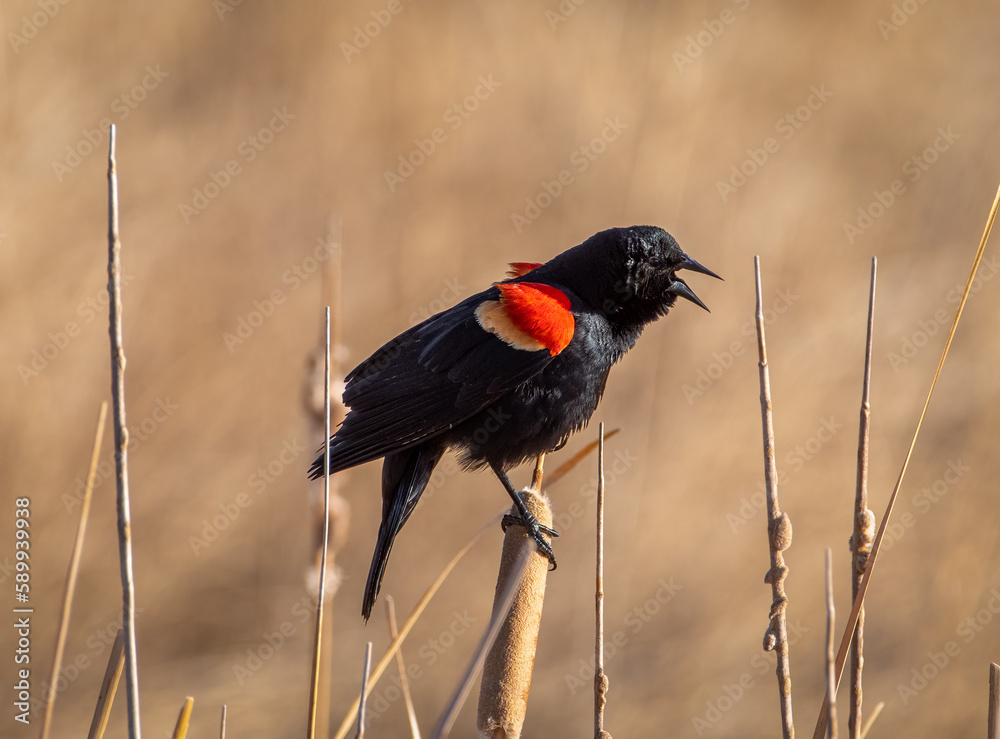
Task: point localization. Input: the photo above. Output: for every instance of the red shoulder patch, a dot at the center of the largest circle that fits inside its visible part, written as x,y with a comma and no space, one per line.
534,316
519,269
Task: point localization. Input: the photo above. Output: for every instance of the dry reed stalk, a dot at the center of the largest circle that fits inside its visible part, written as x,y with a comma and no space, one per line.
418,610
404,681
321,597
600,678
859,600
71,575
364,691
109,685
993,715
831,679
331,519
779,532
864,523
503,692
184,719
871,719
121,442
222,723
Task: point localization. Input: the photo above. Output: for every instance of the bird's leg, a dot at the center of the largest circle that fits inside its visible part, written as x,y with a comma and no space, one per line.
526,519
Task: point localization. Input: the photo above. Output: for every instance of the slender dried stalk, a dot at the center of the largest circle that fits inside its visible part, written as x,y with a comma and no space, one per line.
222,723
71,575
184,719
779,532
831,679
364,691
321,598
315,400
404,681
864,523
873,557
993,717
106,696
121,442
871,719
600,678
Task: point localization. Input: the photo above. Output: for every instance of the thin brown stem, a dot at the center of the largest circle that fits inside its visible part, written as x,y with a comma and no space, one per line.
779,532
993,715
364,691
404,681
109,686
121,442
864,523
321,597
600,678
71,575
831,679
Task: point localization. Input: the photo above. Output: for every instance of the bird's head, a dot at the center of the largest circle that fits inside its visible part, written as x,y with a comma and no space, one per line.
630,274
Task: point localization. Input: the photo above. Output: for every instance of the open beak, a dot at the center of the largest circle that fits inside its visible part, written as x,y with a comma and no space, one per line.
680,288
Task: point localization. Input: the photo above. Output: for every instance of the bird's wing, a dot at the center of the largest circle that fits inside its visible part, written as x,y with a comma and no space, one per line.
440,372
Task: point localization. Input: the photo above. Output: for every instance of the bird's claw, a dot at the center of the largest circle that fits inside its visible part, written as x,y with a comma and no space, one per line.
535,530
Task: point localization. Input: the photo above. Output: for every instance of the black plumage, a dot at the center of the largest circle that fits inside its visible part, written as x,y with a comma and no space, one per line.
487,391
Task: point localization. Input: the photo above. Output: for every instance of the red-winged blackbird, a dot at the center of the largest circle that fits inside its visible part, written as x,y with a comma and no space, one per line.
506,374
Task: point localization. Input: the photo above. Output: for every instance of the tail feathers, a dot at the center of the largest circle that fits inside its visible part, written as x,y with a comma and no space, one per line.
405,475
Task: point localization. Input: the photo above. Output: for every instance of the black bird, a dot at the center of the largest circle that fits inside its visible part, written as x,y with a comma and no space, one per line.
506,374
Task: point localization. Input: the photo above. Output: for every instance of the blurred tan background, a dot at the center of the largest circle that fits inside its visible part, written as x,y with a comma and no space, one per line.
741,128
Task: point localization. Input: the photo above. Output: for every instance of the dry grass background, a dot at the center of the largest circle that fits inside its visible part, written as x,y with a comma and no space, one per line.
446,232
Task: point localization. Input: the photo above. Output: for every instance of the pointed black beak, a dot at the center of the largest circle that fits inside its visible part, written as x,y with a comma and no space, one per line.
689,263
680,288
